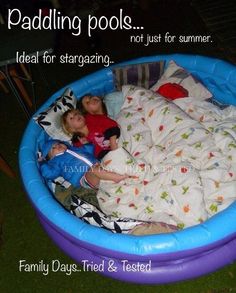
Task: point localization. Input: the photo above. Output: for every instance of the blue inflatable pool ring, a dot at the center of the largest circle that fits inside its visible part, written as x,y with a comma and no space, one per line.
150,259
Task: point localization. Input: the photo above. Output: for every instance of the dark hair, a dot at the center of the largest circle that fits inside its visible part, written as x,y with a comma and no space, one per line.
75,138
81,108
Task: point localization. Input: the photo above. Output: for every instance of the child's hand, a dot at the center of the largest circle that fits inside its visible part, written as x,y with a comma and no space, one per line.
133,177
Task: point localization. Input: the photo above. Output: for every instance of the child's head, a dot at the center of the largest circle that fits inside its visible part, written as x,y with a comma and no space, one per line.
72,121
92,105
53,147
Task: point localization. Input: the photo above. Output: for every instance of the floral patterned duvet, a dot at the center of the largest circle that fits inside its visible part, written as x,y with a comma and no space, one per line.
181,158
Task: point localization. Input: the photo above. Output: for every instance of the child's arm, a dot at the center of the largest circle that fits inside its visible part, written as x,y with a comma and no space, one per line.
49,172
97,173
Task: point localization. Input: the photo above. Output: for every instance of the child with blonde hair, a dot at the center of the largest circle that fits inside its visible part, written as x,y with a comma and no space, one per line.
97,129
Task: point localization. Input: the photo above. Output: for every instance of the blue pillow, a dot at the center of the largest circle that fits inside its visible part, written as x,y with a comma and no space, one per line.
114,102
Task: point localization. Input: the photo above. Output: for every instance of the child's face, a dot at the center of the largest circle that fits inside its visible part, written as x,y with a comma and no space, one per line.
75,121
92,104
56,149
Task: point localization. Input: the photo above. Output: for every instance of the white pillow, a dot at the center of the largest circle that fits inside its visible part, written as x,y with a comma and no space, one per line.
177,74
50,120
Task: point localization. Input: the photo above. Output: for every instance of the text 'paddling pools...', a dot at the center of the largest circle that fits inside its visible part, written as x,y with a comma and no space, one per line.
56,21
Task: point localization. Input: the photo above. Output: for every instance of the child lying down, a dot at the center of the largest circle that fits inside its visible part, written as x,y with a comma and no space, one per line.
171,169
76,165
130,186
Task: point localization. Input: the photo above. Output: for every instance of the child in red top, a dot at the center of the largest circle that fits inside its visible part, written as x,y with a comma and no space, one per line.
93,128
92,104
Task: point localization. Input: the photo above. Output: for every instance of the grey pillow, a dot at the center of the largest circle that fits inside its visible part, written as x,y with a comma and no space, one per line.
142,74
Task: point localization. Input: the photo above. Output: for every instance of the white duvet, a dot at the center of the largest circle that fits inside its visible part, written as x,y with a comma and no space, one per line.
182,159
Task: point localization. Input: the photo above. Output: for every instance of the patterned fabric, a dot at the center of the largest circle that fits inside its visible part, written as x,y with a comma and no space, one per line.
219,120
50,119
183,170
143,74
82,203
92,215
178,75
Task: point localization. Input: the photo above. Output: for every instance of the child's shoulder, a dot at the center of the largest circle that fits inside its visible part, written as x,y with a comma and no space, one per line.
101,118
83,149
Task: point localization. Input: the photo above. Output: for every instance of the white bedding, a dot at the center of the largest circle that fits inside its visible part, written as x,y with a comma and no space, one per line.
182,157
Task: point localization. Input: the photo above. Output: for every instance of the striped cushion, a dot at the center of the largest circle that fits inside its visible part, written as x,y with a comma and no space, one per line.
143,74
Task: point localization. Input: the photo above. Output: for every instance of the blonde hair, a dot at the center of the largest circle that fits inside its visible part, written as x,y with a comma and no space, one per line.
65,127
